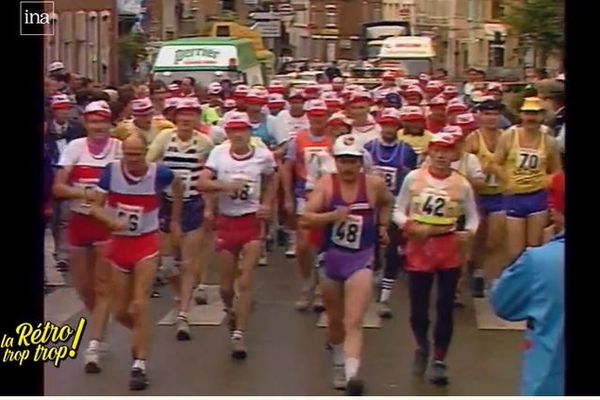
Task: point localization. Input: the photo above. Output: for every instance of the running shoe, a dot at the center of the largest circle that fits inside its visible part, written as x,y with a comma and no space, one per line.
183,329
304,301
385,311
91,358
291,250
438,373
458,302
318,305
138,379
420,362
355,387
478,287
339,377
200,296
62,266
238,348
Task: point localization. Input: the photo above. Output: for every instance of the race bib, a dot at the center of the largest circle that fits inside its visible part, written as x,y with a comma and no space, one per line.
300,205
246,192
186,181
434,203
388,174
528,160
312,155
348,233
132,215
80,206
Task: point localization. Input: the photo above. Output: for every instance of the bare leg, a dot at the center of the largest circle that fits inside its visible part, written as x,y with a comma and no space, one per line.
535,228
516,237
83,280
143,278
244,285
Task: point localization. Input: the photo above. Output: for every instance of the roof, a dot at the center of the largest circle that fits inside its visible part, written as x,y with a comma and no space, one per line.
206,40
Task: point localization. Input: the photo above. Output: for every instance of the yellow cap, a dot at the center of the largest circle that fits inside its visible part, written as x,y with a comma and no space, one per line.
532,104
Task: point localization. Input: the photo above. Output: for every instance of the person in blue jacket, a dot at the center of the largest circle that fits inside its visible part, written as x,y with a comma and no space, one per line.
532,290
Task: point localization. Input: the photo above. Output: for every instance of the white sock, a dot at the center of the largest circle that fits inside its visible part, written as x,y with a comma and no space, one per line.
237,334
386,289
141,364
94,344
182,315
385,295
167,261
478,273
291,236
338,354
351,366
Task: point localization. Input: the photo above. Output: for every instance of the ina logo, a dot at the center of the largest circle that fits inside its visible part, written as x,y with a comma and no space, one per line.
37,18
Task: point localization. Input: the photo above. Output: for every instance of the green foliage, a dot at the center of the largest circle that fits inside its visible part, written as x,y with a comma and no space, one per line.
541,21
132,48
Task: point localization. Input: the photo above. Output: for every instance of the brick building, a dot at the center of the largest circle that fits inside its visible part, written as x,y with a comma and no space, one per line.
85,36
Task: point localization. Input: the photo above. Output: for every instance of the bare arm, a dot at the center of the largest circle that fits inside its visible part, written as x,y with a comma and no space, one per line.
269,188
384,201
496,167
313,217
286,178
62,190
206,183
98,212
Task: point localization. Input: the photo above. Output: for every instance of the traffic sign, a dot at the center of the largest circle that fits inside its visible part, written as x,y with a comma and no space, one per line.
265,16
268,29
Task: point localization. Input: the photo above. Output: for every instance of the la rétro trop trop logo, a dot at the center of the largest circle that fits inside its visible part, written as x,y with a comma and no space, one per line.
44,342
36,18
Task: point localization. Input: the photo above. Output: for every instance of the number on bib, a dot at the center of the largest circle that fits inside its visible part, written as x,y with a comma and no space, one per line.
528,160
186,181
388,174
80,206
243,194
434,205
348,233
132,215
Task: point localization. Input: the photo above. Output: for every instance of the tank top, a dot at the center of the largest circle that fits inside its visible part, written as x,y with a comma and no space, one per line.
86,171
388,162
261,131
307,149
137,202
186,163
526,169
418,143
359,230
436,205
492,184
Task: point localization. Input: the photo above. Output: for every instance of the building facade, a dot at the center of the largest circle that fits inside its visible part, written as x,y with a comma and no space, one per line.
85,37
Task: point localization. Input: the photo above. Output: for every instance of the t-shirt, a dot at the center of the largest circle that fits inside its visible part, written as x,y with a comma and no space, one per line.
159,145
249,170
285,125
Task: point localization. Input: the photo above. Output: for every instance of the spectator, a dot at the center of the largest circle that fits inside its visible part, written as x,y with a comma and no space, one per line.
532,290
158,94
441,74
188,86
474,77
333,71
556,98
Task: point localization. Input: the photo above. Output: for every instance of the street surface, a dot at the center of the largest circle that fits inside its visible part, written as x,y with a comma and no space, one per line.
286,350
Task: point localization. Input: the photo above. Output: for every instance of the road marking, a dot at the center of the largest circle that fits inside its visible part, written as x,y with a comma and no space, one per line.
61,305
371,319
210,314
488,320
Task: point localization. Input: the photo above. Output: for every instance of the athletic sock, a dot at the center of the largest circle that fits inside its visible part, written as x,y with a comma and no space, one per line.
237,334
386,289
141,364
94,344
338,354
351,366
182,315
439,354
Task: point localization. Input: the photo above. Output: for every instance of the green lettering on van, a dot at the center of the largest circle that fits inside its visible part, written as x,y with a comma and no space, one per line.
180,55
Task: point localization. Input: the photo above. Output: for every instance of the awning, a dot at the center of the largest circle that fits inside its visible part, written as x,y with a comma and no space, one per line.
491,29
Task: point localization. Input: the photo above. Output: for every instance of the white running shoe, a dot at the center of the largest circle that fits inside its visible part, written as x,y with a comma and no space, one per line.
91,358
339,377
200,296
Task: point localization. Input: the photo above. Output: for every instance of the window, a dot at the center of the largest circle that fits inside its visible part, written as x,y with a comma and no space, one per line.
496,55
331,19
497,9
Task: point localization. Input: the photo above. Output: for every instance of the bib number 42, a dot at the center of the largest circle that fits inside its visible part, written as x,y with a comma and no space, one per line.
434,205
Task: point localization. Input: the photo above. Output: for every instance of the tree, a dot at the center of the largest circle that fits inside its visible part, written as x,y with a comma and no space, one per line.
132,49
539,22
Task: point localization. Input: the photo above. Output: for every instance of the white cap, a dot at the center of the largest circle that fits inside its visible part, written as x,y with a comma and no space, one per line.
411,112
172,102
237,120
347,145
60,101
389,114
56,66
453,130
443,138
465,119
450,89
414,89
173,87
435,85
142,106
315,105
229,103
241,89
456,105
276,98
360,95
188,103
215,88
99,107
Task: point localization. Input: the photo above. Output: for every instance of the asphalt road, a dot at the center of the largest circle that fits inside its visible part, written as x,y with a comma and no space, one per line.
286,351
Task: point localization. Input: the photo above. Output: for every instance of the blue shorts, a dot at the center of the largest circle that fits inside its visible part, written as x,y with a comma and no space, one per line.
491,203
340,265
524,205
192,215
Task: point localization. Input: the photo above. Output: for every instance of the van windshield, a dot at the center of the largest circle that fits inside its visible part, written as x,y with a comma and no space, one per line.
204,78
412,67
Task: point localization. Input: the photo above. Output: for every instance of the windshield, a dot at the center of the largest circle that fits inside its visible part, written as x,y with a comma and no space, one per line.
411,67
204,78
373,50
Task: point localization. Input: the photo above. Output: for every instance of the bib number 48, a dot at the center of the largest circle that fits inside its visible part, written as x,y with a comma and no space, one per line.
348,233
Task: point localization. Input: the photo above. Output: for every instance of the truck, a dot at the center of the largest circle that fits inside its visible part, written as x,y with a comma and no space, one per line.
209,59
373,34
412,55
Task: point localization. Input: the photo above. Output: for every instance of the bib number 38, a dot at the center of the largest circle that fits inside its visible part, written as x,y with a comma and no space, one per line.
243,194
348,233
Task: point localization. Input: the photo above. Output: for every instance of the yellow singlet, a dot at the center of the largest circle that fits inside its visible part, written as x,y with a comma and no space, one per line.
492,184
526,169
418,143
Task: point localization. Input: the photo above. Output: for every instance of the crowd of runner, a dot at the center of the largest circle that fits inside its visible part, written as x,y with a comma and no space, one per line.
412,177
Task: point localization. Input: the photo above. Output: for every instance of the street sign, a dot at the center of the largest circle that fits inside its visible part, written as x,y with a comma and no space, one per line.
268,29
265,16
